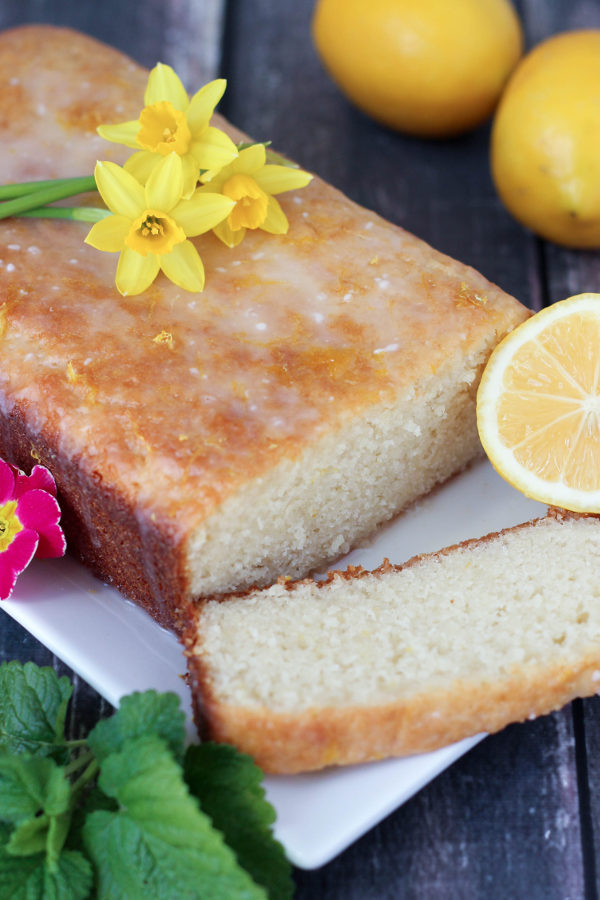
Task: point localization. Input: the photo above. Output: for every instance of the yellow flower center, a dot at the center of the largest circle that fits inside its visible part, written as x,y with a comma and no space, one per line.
164,129
154,232
9,524
250,210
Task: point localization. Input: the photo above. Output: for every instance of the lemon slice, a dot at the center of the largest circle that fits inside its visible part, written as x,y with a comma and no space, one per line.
538,405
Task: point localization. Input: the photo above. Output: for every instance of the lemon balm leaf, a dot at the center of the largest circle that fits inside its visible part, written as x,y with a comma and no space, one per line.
228,785
33,707
29,785
140,715
29,878
159,843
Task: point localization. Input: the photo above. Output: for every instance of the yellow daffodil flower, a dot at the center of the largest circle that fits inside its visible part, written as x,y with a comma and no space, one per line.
150,225
172,123
250,183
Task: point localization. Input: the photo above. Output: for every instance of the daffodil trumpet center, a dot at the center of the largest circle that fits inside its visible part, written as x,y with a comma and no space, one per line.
9,524
154,232
250,210
164,129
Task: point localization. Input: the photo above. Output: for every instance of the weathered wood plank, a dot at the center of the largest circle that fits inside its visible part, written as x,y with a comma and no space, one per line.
186,34
442,191
504,821
571,272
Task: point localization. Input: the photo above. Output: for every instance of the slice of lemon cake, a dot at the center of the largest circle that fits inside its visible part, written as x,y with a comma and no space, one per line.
405,659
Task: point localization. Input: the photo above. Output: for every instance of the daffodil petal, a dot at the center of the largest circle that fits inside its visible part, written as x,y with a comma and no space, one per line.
276,179
109,234
123,195
165,84
123,133
228,235
214,179
250,160
135,272
202,105
184,267
214,150
276,221
190,174
202,212
164,187
142,164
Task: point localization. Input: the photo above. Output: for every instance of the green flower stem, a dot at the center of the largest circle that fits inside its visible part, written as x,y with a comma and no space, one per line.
74,213
70,185
78,763
46,195
86,776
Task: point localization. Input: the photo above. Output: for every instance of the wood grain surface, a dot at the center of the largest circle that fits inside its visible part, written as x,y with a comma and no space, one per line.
519,816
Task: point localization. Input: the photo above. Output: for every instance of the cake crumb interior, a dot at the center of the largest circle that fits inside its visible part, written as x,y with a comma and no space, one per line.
525,598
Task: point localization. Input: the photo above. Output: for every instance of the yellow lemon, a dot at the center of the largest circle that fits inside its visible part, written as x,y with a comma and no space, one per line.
427,67
538,405
546,140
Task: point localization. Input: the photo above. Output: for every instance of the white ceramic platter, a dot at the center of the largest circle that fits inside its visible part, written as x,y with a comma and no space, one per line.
118,649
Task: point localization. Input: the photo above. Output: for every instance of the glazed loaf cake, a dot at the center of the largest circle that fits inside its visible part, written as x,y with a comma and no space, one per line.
204,443
404,659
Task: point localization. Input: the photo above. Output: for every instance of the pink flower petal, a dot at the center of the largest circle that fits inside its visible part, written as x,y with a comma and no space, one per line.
40,479
36,508
7,482
8,578
39,511
52,543
15,558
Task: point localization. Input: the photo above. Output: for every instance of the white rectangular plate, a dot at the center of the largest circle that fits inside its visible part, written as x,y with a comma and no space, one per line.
118,649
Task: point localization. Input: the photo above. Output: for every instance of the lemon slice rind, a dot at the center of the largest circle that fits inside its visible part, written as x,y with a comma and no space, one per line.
554,493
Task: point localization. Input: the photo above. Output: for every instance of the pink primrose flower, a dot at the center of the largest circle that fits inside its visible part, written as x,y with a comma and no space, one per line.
29,517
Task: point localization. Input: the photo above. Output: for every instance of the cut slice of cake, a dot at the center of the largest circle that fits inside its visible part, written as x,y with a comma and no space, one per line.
203,443
404,659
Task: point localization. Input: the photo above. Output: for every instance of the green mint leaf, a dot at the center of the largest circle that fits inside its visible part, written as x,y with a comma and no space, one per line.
29,786
91,800
228,785
44,834
35,795
159,844
33,706
29,878
29,837
140,715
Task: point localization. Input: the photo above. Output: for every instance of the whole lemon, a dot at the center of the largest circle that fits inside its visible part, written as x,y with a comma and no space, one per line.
427,67
546,140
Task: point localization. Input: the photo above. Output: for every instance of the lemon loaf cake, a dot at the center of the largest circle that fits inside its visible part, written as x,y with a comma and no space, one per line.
405,659
203,443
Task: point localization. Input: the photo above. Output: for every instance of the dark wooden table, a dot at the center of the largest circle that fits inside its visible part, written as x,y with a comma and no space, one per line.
519,816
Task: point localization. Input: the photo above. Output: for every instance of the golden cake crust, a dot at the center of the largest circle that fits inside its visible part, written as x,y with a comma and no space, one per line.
310,739
179,400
